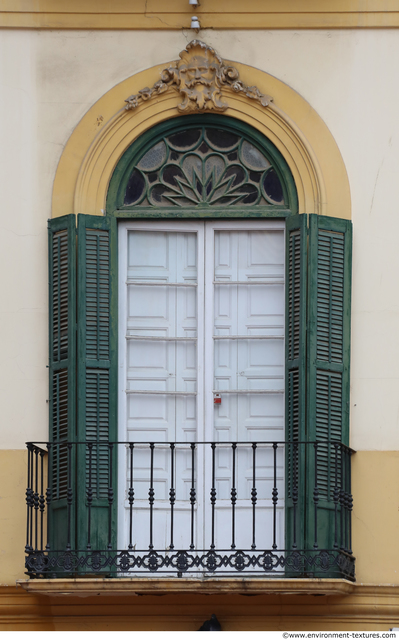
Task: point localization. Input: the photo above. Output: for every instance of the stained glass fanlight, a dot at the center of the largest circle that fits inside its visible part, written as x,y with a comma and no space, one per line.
203,166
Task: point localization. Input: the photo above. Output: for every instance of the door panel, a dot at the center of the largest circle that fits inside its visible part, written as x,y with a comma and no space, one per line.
161,362
248,357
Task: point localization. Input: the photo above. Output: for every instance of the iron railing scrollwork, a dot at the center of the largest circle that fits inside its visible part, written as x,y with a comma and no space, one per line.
249,543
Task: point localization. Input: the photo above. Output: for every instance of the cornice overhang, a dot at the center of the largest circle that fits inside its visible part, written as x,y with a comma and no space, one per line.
176,14
131,586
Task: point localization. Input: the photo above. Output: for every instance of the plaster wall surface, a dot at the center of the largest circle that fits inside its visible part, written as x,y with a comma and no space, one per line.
364,610
49,79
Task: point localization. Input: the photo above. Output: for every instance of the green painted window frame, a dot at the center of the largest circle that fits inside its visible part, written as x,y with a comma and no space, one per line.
128,161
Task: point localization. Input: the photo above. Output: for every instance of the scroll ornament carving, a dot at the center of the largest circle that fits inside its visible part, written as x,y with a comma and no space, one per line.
199,76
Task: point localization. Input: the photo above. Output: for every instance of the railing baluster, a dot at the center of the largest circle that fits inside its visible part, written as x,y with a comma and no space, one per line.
295,493
172,492
316,494
110,495
69,495
89,495
41,498
233,498
55,471
49,490
336,498
346,499
213,496
253,494
28,546
151,493
350,501
192,494
342,498
274,493
36,495
32,497
131,496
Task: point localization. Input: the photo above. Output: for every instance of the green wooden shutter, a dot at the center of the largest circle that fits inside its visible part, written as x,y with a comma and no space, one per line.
296,266
62,368
329,296
97,376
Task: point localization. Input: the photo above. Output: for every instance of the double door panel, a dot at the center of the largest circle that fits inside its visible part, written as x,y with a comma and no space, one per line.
201,359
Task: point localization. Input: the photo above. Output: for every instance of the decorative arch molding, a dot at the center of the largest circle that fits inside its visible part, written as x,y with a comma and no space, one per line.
108,129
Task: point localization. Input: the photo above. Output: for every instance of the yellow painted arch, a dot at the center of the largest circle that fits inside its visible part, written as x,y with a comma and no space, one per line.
107,130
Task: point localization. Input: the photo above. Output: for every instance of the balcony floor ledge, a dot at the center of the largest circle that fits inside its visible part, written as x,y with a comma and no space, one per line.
85,587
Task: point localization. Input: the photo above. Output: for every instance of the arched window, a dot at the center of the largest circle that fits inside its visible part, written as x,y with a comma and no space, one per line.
218,419
187,163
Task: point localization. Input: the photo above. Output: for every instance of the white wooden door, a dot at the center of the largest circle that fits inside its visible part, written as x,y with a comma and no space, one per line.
244,338
201,313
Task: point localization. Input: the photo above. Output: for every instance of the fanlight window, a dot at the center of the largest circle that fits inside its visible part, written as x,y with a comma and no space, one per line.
204,166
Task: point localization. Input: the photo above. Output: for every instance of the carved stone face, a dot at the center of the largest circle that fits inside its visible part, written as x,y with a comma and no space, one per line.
197,71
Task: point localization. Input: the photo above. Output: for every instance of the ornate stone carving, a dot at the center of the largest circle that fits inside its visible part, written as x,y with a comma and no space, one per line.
199,76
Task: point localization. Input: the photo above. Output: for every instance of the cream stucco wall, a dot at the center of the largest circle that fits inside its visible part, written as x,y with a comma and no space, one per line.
49,79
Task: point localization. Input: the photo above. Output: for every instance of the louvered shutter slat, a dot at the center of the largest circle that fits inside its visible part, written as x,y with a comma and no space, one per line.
97,352
296,264
62,368
329,293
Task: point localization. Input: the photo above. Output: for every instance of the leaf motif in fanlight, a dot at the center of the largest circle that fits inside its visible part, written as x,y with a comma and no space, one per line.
210,181
203,167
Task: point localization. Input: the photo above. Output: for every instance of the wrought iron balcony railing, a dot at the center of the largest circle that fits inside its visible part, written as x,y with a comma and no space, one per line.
265,509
